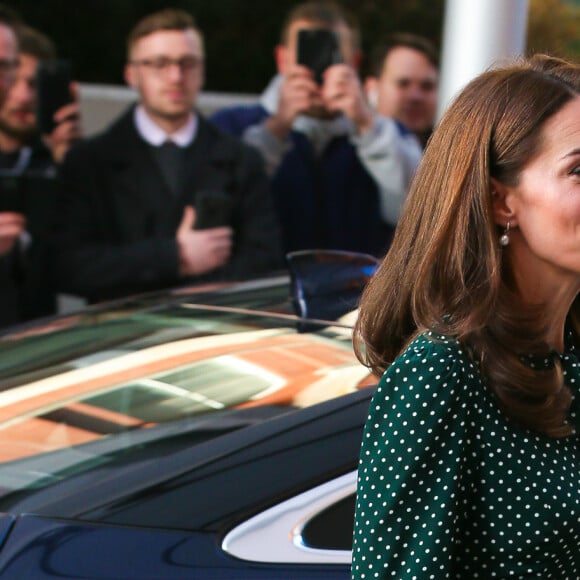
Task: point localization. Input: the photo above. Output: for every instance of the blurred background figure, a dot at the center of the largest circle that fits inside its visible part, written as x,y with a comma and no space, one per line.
8,49
28,162
339,172
402,82
12,224
21,145
162,196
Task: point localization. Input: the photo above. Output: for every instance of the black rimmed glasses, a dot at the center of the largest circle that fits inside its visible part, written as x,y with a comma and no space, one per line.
162,65
7,66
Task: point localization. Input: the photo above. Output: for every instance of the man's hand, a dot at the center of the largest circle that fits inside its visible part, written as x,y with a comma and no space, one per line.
201,251
11,227
68,128
298,93
342,91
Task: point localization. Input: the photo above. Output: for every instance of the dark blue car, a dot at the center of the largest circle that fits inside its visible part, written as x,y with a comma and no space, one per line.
211,432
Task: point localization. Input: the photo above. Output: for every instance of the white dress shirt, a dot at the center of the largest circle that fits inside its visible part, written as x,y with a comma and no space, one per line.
156,136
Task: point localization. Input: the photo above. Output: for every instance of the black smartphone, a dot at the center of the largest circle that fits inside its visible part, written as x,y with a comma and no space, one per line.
31,195
212,209
53,80
12,193
318,48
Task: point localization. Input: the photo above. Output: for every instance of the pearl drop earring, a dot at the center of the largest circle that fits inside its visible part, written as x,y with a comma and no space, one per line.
504,239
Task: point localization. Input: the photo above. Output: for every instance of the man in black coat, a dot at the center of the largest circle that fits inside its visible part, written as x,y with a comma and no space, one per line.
28,166
132,196
12,224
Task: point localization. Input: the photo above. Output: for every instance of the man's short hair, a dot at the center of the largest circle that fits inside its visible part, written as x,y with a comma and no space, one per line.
35,43
326,14
414,41
167,19
9,16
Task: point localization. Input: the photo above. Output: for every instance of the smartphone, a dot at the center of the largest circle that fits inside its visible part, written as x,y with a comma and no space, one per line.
53,80
213,209
12,193
31,195
318,48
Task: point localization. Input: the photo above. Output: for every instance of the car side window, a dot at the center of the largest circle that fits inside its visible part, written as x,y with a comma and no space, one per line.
332,528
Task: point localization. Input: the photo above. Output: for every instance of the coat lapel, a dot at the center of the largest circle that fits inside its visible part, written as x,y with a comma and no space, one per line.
211,165
141,188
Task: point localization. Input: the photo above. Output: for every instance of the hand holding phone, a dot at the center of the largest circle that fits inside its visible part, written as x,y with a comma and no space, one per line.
317,49
53,83
201,250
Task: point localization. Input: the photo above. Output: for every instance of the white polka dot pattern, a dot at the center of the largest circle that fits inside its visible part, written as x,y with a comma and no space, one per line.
448,488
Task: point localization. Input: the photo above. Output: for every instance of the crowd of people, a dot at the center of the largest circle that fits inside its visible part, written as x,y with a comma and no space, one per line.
314,165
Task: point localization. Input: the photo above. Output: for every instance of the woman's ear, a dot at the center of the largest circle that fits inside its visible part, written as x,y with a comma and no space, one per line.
503,204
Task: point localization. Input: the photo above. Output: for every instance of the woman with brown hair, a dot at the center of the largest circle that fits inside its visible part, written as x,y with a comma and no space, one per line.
470,461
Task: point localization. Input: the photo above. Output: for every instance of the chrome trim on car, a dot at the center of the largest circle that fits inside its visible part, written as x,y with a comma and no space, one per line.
275,535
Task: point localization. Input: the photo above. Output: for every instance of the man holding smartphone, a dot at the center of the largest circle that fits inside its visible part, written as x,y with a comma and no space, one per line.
12,224
22,146
28,162
339,173
135,196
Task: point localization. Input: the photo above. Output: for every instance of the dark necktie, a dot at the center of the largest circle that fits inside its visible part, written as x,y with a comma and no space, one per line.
171,161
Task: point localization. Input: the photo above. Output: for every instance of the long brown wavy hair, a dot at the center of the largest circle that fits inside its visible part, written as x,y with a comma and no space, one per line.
445,270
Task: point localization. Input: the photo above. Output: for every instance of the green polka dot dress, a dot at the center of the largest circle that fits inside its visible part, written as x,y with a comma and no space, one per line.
448,488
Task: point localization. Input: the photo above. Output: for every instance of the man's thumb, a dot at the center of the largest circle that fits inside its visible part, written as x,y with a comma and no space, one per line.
188,219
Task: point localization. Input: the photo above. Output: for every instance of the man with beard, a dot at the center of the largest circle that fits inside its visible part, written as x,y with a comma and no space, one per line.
28,164
339,173
12,224
21,147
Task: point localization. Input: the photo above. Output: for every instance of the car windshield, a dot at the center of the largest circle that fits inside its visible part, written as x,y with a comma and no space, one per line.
79,390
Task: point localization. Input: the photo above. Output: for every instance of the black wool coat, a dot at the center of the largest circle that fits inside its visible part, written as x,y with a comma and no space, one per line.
117,218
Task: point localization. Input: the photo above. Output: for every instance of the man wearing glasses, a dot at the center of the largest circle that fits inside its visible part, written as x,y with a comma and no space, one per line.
8,56
12,224
28,165
131,209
